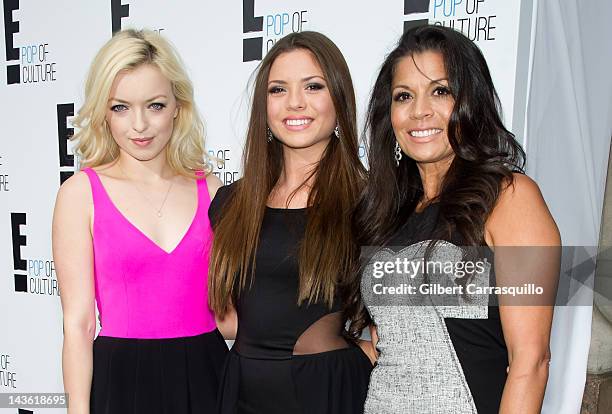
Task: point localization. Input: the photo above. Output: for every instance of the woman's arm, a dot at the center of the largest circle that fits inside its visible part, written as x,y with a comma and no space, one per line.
213,183
228,324
73,257
369,347
521,218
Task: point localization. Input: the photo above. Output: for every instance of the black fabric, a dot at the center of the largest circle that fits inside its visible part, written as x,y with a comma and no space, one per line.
157,376
222,196
262,375
478,343
334,382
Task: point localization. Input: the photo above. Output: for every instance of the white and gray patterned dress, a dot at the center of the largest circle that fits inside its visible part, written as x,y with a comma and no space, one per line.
435,355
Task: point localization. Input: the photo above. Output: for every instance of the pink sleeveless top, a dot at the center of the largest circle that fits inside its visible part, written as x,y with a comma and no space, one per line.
143,291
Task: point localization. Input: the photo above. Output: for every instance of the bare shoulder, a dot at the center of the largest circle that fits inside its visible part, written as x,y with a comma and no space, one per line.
521,216
73,212
521,189
214,183
75,190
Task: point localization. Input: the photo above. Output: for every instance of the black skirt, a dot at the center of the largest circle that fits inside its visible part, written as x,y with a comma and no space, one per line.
334,382
157,376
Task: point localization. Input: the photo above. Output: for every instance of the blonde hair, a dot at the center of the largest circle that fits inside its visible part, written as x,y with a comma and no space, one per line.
127,50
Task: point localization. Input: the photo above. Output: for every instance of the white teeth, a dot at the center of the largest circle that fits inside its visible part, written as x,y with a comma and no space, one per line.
425,133
296,122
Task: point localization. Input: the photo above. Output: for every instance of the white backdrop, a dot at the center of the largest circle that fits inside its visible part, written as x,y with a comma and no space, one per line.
50,46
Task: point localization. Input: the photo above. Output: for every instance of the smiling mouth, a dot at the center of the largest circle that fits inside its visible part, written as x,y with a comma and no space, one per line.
424,132
298,122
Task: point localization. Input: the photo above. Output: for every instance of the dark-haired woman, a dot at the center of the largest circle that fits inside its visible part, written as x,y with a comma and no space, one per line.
283,245
445,172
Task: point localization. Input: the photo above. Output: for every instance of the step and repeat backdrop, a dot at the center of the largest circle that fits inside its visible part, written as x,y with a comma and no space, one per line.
47,49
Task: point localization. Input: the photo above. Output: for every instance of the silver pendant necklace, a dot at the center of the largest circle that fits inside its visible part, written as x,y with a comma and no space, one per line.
158,212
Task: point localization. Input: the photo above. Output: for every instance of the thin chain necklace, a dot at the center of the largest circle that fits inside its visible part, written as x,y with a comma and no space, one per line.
158,212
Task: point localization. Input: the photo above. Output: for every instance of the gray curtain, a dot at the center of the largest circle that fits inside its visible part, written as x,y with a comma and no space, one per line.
567,139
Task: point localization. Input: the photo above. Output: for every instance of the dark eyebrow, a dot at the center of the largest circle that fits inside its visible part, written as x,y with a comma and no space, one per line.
306,79
433,81
439,80
148,100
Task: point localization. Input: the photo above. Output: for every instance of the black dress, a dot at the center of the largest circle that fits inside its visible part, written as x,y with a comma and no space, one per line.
157,376
287,358
435,359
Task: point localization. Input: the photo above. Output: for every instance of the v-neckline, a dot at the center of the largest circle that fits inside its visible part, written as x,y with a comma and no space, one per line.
142,233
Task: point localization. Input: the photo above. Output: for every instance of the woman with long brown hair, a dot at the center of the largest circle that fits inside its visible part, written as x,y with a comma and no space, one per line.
283,245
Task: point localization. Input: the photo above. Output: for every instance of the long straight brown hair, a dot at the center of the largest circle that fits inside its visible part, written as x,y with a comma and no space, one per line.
328,248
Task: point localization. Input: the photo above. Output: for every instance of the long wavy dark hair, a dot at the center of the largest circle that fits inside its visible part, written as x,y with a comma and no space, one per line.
486,153
329,247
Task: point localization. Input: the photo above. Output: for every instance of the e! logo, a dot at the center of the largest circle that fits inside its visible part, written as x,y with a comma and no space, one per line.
64,133
19,240
412,7
251,48
12,53
118,12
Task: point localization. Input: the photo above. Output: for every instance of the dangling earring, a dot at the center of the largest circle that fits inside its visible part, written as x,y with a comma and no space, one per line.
337,131
397,154
269,134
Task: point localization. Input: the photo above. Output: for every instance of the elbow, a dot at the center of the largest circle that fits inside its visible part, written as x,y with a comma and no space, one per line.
80,329
532,365
227,325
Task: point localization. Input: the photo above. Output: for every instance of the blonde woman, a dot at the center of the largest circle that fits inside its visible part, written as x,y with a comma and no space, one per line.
131,234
